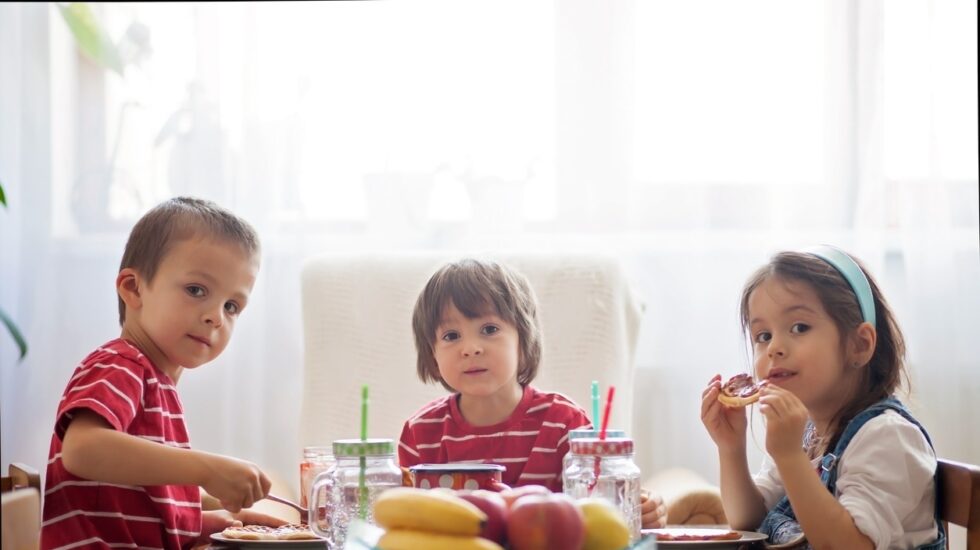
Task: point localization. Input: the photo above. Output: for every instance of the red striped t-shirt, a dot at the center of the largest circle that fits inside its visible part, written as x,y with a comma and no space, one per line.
531,443
121,385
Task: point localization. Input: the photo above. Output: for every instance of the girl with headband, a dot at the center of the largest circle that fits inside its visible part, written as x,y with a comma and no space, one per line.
847,466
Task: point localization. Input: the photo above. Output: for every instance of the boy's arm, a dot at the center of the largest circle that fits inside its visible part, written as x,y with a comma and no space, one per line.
741,498
93,450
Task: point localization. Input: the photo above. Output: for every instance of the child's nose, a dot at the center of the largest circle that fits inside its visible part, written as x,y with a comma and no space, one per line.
776,348
214,316
472,350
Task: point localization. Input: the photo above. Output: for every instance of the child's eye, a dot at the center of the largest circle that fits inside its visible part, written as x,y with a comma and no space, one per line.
196,291
762,337
232,308
490,329
799,328
450,336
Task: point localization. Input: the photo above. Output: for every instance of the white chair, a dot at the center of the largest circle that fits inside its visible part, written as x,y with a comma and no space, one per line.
21,505
357,312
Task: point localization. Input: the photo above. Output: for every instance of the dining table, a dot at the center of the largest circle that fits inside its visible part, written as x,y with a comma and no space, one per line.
749,541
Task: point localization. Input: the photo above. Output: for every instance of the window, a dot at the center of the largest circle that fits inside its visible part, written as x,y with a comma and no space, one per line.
335,111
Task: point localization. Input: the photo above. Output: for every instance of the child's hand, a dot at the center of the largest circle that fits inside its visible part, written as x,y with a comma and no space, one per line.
726,425
237,484
653,511
215,521
786,418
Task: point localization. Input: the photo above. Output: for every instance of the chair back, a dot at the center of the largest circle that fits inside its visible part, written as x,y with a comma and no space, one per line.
959,499
21,505
357,325
20,476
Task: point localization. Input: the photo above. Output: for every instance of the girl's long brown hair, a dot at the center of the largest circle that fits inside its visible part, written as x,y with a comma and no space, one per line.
886,371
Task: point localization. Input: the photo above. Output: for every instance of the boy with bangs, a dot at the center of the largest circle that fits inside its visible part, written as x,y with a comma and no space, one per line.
477,333
121,472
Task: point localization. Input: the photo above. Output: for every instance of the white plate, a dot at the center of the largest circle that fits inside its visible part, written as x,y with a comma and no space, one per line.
747,536
303,543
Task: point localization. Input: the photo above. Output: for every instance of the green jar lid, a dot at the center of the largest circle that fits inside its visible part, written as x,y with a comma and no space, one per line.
363,447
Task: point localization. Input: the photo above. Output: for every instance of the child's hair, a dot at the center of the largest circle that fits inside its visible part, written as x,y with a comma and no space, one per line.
477,288
885,372
177,219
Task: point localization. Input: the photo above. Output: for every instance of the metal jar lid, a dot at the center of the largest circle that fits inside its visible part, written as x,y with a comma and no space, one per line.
363,447
611,446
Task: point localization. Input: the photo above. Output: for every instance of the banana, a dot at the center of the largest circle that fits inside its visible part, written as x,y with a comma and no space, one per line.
430,511
404,539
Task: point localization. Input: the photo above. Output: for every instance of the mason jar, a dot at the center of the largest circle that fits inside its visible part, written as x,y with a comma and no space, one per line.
605,469
363,470
580,433
316,460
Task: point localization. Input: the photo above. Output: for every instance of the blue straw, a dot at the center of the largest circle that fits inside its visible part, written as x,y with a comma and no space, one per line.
595,404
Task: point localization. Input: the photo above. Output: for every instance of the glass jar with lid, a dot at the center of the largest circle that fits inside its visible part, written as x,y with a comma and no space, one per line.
363,470
316,460
605,469
580,433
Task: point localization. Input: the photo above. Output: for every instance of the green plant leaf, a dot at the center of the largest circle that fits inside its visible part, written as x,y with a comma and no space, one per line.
11,327
91,38
15,333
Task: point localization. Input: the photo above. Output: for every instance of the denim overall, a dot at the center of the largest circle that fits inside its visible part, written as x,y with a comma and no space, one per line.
780,523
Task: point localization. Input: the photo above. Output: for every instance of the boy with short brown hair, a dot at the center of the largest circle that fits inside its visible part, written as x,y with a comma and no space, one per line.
121,472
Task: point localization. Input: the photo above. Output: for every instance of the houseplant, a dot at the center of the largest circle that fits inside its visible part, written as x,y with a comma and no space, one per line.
4,318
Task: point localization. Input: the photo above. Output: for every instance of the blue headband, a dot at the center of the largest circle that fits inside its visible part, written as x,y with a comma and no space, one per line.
852,273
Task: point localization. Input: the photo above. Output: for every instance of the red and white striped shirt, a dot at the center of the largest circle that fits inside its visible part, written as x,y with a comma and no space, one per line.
531,443
121,385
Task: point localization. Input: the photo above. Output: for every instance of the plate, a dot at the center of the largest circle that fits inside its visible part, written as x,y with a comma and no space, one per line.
307,543
747,536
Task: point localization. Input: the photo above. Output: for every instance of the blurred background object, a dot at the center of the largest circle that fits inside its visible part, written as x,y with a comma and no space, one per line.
691,139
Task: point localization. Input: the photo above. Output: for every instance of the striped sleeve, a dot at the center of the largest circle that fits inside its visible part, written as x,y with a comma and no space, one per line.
111,387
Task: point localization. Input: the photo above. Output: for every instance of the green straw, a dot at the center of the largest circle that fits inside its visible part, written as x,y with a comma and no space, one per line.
364,411
361,480
595,404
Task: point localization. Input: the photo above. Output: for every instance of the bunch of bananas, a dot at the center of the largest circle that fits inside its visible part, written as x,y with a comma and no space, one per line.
417,519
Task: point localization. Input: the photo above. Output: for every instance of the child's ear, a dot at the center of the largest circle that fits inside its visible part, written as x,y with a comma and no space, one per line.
863,344
128,287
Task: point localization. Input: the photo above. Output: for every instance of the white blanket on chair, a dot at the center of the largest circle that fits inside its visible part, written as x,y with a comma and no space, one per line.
357,313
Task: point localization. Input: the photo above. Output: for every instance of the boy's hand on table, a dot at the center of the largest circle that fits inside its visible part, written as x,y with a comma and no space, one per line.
237,484
653,511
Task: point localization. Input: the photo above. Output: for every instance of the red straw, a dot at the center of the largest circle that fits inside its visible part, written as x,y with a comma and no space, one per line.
605,413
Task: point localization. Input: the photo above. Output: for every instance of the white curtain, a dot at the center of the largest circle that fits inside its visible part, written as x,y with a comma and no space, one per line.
691,138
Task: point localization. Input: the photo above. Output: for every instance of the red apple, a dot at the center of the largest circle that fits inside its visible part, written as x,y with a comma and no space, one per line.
543,522
510,496
496,510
